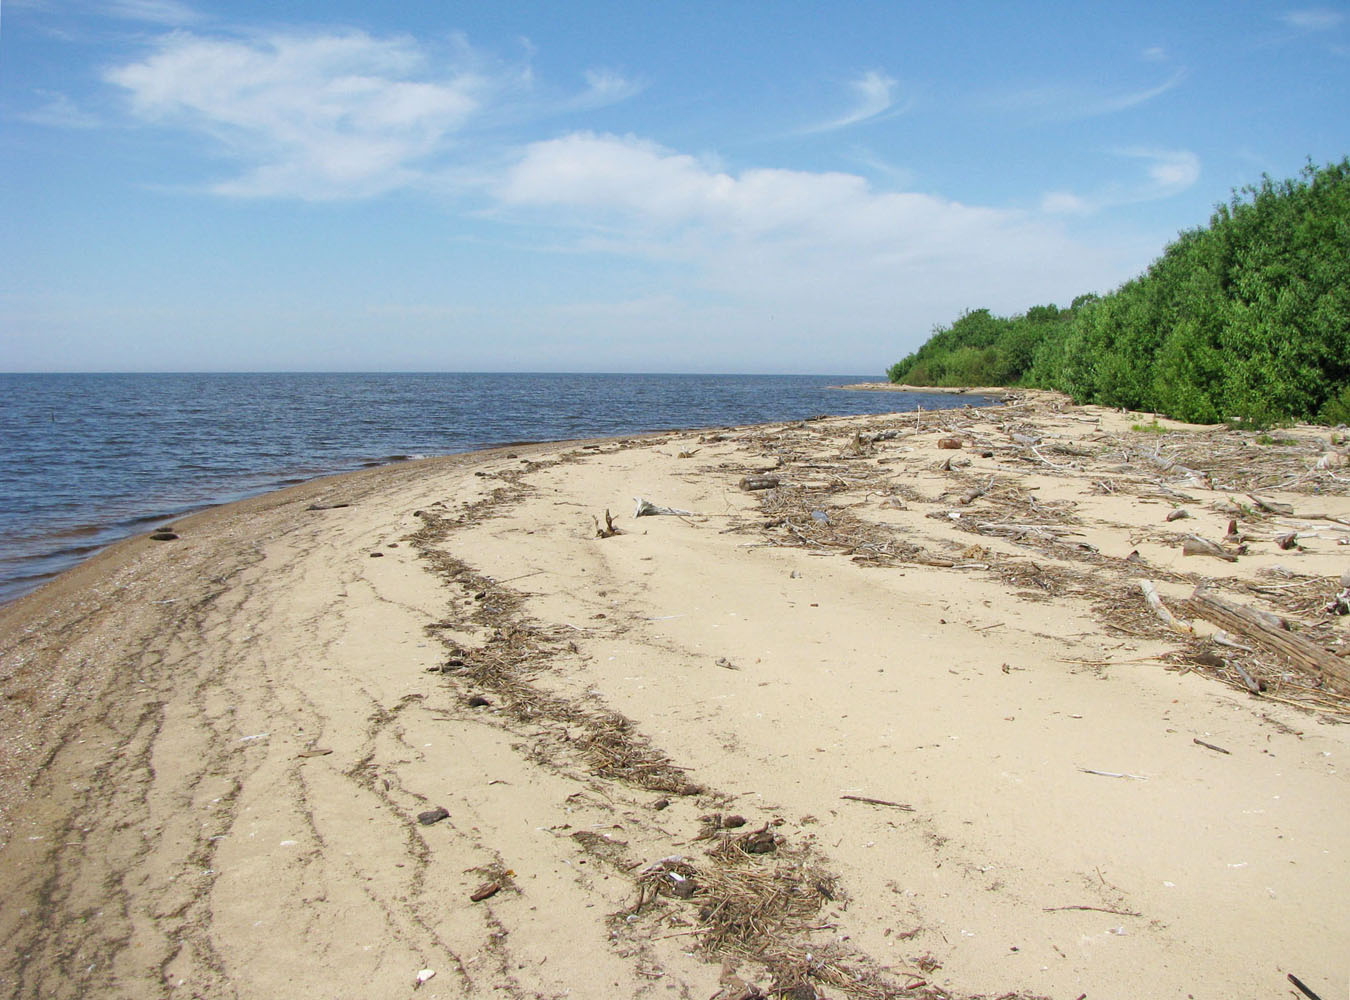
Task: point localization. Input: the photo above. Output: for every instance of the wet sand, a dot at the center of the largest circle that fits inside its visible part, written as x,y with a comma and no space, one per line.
963,747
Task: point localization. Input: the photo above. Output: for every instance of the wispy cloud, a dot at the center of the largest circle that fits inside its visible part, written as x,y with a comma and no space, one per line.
329,115
59,111
604,87
1154,53
1060,102
170,13
1166,173
311,116
874,98
1312,19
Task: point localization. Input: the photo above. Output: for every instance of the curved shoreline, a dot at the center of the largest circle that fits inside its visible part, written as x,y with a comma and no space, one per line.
31,568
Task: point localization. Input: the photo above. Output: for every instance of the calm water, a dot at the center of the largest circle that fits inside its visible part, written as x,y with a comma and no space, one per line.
88,459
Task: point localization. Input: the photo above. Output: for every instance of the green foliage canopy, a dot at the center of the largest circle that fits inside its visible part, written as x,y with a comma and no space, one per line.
1247,318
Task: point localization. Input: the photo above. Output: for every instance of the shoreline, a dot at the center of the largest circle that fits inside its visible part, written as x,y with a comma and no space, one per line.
31,565
923,675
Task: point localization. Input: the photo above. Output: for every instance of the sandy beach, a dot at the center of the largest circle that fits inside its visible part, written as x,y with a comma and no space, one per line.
880,709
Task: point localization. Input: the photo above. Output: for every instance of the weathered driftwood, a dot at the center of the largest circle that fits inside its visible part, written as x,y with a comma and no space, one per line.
1224,639
1016,531
607,530
1245,621
645,508
970,497
1194,545
1150,593
757,482
1272,506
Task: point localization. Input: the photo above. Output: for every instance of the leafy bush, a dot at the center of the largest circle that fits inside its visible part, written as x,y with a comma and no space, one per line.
1247,319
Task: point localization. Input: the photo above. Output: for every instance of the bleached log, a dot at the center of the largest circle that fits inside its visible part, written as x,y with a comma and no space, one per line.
1150,593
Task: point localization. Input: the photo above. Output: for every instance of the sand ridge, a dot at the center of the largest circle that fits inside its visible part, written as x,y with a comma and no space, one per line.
962,746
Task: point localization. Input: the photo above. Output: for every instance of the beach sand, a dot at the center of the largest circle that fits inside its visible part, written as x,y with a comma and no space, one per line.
968,758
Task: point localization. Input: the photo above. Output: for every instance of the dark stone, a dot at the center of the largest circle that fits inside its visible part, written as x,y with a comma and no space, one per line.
733,822
433,816
163,536
478,701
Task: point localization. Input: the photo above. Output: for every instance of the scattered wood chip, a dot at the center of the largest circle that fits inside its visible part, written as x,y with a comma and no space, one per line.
486,891
1113,774
315,752
878,802
1302,988
1209,746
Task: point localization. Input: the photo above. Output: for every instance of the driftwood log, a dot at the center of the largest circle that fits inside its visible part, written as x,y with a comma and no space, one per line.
1247,622
759,482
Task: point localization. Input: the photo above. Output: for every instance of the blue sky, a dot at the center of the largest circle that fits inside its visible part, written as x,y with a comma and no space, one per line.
735,187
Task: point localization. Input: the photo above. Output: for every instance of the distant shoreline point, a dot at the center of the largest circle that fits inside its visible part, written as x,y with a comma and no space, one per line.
993,392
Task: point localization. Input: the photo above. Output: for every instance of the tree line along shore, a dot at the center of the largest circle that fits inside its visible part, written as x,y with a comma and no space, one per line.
1246,320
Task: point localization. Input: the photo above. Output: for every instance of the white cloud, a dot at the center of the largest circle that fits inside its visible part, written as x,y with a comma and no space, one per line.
813,248
1170,171
1063,103
604,86
1155,53
874,97
312,116
1166,173
1313,19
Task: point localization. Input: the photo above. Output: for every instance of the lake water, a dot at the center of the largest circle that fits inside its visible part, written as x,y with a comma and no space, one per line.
88,459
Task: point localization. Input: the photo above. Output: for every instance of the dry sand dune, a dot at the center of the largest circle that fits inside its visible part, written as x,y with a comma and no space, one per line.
902,726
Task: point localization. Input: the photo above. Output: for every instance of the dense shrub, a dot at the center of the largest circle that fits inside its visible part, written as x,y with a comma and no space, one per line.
1247,318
